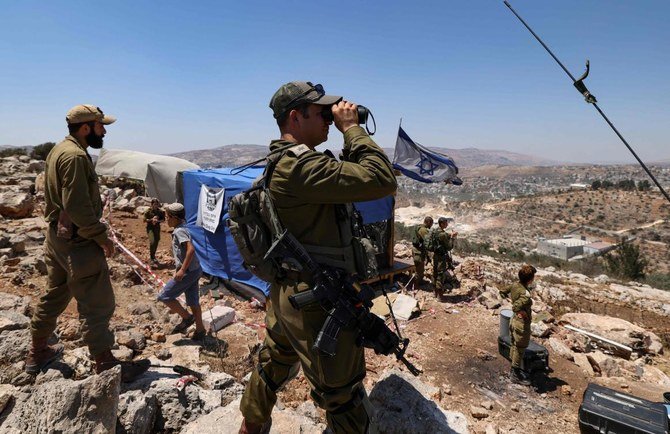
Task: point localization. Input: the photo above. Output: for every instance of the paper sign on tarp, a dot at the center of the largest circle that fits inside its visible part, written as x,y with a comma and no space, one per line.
209,207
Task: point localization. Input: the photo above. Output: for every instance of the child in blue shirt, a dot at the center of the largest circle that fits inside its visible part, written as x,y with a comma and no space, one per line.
185,280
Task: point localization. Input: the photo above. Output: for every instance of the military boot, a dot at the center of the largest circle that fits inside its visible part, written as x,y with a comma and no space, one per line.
129,370
41,354
255,428
517,376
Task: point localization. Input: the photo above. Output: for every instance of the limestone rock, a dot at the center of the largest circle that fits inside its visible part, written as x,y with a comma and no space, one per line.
478,412
559,348
87,406
11,320
404,404
616,329
14,345
15,204
123,353
583,362
228,419
14,302
80,361
136,413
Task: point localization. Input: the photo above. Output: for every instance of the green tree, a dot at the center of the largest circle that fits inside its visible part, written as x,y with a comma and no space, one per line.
595,185
627,262
643,185
40,152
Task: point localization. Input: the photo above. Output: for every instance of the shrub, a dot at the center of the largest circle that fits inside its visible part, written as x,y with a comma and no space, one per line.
8,152
40,152
627,262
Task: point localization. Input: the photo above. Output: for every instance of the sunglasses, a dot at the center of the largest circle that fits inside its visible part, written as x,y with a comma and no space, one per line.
318,88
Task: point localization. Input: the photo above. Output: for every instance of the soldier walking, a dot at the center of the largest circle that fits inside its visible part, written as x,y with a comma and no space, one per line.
75,248
308,189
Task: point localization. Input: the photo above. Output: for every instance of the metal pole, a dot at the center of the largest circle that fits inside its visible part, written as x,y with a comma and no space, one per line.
590,99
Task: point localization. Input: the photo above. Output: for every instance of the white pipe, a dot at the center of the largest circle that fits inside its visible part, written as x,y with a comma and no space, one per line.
600,338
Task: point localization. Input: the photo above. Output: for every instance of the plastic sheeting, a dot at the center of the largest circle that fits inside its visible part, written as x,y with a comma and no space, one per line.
159,172
217,251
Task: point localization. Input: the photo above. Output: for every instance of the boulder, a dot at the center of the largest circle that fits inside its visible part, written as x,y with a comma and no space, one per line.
136,413
178,407
123,353
606,365
540,329
14,345
18,243
15,204
653,375
560,349
7,393
14,302
618,330
228,419
12,320
88,405
583,362
80,362
404,404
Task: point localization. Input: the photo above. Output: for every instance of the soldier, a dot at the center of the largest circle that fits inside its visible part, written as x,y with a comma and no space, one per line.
419,250
153,217
75,248
308,188
443,243
519,325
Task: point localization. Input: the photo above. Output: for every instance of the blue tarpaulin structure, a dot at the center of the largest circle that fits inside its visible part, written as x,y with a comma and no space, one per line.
217,251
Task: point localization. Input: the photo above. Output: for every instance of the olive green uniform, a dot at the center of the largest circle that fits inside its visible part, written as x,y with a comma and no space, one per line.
519,327
420,253
76,267
305,187
154,229
441,259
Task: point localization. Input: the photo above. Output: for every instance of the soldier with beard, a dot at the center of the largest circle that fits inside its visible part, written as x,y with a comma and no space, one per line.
75,248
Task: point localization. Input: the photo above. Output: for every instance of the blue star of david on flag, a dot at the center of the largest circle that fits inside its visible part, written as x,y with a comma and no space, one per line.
421,163
426,167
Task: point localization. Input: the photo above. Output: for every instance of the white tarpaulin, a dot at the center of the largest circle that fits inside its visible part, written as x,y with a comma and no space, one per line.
209,207
159,172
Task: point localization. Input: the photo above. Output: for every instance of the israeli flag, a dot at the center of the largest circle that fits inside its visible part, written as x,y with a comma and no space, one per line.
422,164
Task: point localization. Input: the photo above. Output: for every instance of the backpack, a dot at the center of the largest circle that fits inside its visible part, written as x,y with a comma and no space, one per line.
417,240
432,244
254,224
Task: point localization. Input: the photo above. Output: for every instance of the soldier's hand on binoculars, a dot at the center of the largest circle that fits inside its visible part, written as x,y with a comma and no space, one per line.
345,115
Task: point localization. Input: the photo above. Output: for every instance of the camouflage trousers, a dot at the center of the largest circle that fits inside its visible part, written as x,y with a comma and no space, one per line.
335,381
154,237
420,260
519,331
76,268
441,274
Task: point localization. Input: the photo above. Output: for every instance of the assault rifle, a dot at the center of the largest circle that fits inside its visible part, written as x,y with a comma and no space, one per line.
347,302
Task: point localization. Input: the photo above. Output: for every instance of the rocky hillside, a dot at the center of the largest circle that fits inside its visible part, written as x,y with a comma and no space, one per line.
235,155
464,386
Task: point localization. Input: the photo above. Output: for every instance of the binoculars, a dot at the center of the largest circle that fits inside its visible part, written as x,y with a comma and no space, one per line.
363,112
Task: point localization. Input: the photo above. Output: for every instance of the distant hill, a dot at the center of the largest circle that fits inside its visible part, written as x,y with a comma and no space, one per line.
236,155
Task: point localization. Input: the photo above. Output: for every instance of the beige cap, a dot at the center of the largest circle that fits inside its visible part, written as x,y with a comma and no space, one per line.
87,113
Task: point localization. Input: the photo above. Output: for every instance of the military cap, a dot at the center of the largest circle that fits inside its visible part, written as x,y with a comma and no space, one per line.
295,93
443,220
87,113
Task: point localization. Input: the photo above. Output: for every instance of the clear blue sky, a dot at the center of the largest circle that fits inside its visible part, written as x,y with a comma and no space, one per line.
196,75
